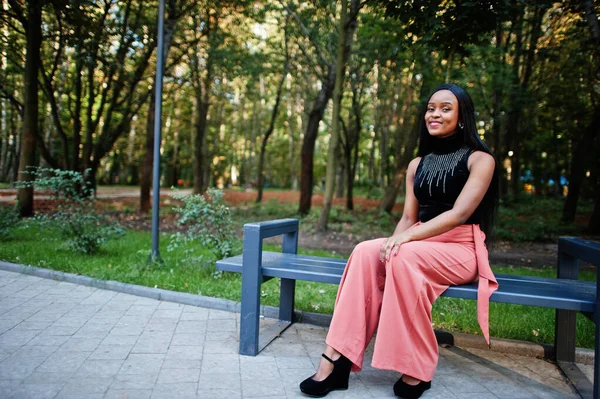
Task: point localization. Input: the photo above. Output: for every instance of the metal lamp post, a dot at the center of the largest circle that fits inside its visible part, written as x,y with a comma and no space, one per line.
155,255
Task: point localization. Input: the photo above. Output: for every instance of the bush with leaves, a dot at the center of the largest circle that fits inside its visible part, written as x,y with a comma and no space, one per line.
208,221
75,217
8,219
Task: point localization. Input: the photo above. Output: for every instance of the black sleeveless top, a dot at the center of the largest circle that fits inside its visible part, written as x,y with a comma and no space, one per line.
440,177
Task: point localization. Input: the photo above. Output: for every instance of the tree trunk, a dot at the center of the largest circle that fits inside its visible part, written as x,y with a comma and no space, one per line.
310,138
3,137
334,139
146,170
450,62
263,146
351,173
316,114
578,167
200,144
340,181
30,114
592,21
594,224
389,198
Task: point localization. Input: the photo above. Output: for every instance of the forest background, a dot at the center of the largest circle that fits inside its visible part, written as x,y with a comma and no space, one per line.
311,95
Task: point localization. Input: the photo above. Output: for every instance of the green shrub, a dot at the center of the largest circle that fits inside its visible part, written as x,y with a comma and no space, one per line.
534,218
207,220
75,217
8,219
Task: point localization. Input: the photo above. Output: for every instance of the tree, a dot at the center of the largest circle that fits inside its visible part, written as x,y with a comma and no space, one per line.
589,135
346,28
326,71
31,20
263,146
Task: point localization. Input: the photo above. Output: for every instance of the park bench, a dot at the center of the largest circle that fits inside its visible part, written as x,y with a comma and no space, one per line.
565,293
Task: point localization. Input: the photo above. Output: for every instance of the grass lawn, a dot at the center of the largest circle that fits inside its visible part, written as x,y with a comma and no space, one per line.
191,269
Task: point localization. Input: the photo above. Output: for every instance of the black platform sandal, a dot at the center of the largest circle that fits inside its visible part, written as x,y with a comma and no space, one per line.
407,391
337,380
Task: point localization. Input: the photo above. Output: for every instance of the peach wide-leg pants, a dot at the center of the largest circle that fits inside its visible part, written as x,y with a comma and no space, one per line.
395,299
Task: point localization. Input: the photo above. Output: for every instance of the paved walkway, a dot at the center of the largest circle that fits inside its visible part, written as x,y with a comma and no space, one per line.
61,340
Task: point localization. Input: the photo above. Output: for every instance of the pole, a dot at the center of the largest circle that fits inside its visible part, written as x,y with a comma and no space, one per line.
155,255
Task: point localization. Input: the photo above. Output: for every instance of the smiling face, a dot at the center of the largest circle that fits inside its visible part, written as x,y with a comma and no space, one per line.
441,117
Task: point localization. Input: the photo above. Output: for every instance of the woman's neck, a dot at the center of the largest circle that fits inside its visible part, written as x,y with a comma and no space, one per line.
447,145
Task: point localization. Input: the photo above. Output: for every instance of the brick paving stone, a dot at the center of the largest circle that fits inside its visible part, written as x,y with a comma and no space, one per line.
188,339
142,364
191,327
128,394
81,344
8,385
227,393
220,381
63,362
184,352
160,325
134,381
93,367
35,391
111,352
153,342
175,391
88,385
175,376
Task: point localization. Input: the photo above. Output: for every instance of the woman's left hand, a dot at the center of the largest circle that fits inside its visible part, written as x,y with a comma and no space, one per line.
392,245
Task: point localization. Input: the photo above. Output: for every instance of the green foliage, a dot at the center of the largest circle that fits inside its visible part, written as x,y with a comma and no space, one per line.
534,218
208,221
8,219
75,218
370,189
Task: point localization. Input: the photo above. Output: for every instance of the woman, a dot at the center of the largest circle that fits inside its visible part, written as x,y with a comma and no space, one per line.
390,284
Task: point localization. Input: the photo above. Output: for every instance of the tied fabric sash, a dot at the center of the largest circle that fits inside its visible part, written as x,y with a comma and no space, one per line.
487,282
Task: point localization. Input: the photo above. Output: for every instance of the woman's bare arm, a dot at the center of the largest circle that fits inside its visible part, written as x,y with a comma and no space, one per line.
410,214
481,169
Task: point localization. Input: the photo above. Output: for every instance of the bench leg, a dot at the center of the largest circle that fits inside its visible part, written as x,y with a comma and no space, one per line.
597,349
566,320
597,359
249,317
565,335
286,300
251,282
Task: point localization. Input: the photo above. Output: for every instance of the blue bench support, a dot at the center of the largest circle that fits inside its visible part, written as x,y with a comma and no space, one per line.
566,293
570,251
252,278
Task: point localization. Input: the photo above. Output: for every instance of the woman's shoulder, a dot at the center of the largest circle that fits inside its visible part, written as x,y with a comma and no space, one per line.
481,158
412,166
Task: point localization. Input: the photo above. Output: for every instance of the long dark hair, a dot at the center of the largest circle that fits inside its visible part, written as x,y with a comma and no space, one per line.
469,137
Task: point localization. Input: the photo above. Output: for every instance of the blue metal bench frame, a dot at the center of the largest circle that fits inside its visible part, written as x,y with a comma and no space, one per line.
564,293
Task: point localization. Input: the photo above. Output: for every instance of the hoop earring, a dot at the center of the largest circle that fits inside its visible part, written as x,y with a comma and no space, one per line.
461,125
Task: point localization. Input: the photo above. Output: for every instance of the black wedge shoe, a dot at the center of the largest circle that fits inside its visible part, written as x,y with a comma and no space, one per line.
407,391
337,380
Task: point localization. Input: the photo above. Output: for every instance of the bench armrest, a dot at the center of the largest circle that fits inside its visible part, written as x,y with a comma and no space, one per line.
272,228
586,250
570,251
255,233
